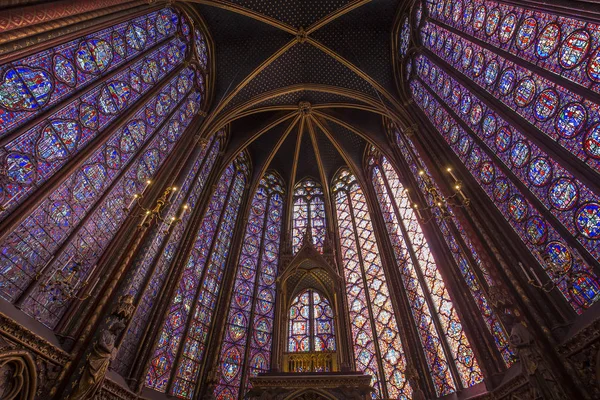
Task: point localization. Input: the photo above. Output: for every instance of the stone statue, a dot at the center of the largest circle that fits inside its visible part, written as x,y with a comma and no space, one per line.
534,366
103,351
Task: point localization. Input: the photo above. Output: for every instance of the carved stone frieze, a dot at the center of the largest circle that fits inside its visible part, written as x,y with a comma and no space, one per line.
35,361
113,391
582,351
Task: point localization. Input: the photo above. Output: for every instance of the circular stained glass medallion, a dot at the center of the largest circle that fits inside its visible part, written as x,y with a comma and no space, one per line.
570,120
464,145
476,114
536,230
519,155
503,139
465,104
563,194
574,49
492,22
457,53
591,143
501,190
517,208
587,220
231,363
507,82
478,64
487,172
491,72
489,125
546,105
525,92
237,326
548,41
526,34
507,28
593,68
479,19
540,171
454,134
467,57
561,258
468,13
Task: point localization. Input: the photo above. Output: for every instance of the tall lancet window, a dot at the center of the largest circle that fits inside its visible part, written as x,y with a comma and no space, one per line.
181,345
309,211
247,341
377,345
475,273
513,93
440,330
152,268
310,323
84,125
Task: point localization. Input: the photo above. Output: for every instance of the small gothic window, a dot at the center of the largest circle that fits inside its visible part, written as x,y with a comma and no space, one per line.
310,323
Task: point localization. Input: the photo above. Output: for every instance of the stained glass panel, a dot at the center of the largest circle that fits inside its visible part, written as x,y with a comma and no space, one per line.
374,328
246,344
309,210
581,287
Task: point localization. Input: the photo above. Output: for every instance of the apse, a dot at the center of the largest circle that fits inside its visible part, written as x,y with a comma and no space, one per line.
343,199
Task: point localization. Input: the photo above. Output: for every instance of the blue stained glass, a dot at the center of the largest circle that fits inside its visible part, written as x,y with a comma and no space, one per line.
593,68
540,171
546,105
487,172
571,119
507,82
548,40
508,28
591,143
563,194
517,207
525,92
588,220
64,70
503,139
536,230
94,56
492,21
21,168
25,88
491,72
519,155
527,33
574,49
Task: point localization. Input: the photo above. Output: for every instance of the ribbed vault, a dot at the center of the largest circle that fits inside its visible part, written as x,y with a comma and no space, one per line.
304,85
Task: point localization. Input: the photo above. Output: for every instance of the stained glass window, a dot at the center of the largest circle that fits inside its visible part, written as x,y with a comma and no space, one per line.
374,329
476,276
310,323
425,287
193,303
150,270
511,89
246,348
309,211
579,285
110,107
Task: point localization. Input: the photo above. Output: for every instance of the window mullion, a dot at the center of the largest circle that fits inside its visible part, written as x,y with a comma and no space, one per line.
382,381
426,292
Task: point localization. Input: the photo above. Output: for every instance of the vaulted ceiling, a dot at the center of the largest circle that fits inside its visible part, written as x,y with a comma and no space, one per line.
303,83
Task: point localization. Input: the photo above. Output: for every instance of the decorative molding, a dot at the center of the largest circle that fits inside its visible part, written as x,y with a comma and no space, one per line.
18,333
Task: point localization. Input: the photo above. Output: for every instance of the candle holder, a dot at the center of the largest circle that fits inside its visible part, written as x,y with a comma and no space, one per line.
556,273
67,282
438,201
